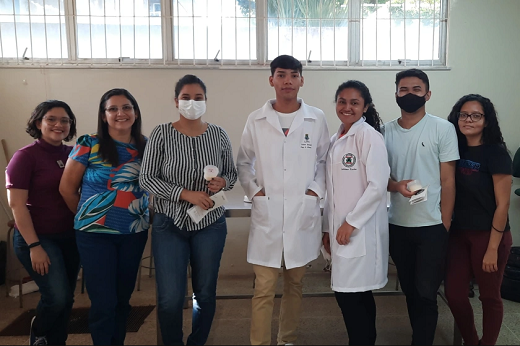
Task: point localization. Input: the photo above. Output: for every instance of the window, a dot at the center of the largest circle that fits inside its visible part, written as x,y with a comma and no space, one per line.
321,33
32,29
118,29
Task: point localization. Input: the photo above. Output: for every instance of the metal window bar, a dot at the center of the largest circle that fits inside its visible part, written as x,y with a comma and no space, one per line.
433,38
377,32
105,22
120,35
193,28
321,41
30,31
362,34
333,35
419,37
390,32
90,27
404,31
307,35
45,32
59,26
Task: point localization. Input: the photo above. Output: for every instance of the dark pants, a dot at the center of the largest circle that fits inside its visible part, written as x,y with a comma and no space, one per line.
110,265
359,314
173,248
419,255
465,254
56,288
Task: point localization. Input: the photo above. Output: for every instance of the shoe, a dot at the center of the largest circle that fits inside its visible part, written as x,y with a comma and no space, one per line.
32,337
36,340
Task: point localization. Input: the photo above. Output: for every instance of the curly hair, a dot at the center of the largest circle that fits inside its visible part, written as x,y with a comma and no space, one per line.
491,133
371,115
39,112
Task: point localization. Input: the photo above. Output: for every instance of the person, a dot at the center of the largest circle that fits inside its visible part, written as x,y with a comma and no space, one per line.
281,167
480,238
44,239
356,219
420,147
173,171
112,216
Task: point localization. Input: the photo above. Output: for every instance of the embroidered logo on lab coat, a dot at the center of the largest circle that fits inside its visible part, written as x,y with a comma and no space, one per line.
306,144
349,160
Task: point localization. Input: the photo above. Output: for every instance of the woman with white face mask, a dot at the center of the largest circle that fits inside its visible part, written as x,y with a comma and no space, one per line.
173,171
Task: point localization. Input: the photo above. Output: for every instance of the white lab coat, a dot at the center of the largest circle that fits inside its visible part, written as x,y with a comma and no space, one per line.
357,177
285,221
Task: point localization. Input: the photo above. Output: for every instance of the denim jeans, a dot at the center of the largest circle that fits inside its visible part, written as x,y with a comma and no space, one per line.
110,265
56,288
173,249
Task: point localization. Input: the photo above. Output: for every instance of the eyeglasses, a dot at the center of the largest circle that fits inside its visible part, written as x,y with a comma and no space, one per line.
124,109
54,120
473,117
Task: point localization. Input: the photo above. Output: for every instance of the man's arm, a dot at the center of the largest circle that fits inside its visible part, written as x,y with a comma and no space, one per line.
447,192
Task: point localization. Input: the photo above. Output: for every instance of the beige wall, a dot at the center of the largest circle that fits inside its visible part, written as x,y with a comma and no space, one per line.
482,54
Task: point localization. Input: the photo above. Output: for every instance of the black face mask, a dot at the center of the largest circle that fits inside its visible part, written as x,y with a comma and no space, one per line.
410,103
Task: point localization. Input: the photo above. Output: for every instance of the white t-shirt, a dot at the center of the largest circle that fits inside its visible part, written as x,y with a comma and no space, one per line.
416,153
286,120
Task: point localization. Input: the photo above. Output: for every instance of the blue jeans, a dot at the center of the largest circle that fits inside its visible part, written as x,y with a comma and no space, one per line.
173,248
110,265
56,288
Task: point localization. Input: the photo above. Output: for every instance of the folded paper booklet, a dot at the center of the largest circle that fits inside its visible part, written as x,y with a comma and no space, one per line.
197,213
421,195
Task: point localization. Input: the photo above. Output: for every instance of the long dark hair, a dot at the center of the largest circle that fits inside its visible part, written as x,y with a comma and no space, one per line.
39,112
107,146
371,115
491,133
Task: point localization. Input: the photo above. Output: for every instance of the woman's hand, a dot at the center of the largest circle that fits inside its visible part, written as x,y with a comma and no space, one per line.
40,260
199,198
489,263
326,242
344,233
216,184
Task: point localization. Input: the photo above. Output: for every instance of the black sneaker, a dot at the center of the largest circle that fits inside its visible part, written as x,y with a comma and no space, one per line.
36,340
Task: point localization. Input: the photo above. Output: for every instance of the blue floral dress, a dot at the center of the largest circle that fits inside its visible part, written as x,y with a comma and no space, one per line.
111,199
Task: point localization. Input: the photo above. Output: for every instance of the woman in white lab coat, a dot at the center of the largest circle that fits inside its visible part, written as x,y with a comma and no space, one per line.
356,221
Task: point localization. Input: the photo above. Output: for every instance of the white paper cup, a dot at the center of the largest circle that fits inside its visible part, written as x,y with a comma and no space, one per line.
210,172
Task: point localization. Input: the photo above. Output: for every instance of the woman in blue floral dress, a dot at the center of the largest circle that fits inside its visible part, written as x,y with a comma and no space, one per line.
101,185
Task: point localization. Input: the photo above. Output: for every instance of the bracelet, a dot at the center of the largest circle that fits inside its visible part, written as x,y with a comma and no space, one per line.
497,229
30,246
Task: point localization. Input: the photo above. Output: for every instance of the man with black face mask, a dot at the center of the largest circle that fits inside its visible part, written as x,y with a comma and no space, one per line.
420,147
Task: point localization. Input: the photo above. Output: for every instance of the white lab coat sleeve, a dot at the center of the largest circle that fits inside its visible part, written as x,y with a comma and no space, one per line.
374,156
318,184
245,161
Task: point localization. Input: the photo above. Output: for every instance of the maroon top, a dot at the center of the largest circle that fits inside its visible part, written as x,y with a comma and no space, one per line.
38,168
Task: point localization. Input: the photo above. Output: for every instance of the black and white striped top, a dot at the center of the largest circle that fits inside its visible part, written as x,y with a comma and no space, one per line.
173,161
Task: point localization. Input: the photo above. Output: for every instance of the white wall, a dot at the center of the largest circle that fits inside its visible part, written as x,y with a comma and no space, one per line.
482,54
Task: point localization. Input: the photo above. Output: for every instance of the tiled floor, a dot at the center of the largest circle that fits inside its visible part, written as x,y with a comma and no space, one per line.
321,321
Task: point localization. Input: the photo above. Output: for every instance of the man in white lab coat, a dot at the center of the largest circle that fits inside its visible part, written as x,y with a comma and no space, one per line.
281,166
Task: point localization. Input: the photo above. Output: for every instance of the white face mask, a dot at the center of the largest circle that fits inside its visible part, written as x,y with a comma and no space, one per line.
191,109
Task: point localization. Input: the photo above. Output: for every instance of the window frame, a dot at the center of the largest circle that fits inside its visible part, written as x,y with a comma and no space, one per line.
169,42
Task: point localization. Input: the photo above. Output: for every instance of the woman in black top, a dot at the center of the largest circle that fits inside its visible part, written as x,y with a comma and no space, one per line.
480,239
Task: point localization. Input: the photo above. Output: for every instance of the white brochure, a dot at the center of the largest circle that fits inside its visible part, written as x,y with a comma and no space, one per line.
197,213
420,196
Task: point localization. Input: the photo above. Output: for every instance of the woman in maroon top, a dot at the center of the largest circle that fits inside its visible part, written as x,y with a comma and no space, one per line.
44,238
480,237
